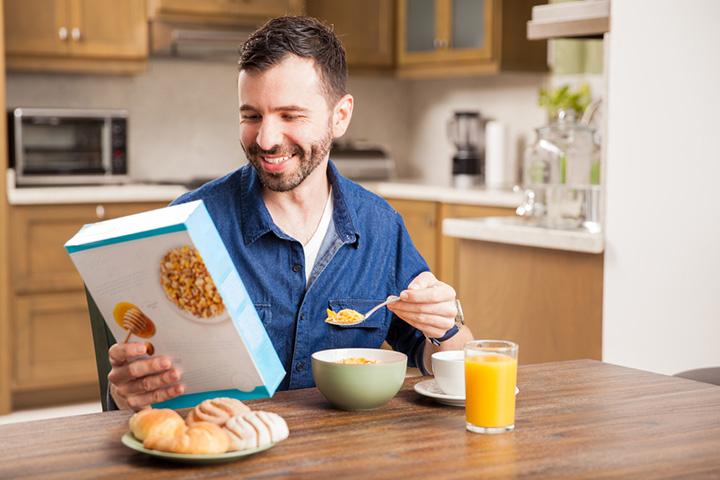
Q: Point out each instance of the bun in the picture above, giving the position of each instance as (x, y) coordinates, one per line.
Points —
(201, 438)
(255, 429)
(161, 421)
(216, 410)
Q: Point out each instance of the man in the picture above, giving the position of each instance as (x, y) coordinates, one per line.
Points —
(302, 237)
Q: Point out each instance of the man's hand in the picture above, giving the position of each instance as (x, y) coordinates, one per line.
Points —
(428, 305)
(136, 382)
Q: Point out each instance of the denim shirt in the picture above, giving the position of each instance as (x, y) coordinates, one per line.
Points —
(366, 255)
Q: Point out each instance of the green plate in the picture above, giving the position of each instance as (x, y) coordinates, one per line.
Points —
(131, 442)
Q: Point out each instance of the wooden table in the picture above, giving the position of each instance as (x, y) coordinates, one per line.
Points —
(574, 419)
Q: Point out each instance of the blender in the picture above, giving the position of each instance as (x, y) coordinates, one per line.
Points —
(466, 130)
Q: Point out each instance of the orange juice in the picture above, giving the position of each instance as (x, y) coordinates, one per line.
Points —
(490, 390)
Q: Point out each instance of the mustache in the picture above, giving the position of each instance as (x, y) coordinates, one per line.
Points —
(287, 150)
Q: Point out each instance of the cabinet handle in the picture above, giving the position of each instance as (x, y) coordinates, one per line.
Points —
(100, 211)
(76, 34)
(63, 33)
(440, 43)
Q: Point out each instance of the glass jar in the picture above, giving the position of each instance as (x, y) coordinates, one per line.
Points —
(561, 174)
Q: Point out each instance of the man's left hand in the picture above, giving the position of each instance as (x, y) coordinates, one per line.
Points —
(428, 305)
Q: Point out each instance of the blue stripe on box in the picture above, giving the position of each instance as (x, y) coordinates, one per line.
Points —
(192, 399)
(126, 238)
(207, 240)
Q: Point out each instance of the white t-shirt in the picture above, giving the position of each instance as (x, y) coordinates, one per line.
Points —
(312, 247)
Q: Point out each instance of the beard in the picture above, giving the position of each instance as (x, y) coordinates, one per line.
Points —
(307, 162)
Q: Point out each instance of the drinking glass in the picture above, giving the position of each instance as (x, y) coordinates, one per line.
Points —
(490, 378)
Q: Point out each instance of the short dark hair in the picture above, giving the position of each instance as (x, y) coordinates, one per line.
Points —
(305, 37)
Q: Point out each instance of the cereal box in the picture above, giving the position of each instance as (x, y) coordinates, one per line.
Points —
(164, 277)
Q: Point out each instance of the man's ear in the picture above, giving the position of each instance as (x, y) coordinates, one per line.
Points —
(342, 113)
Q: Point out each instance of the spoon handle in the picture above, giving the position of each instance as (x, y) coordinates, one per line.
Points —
(390, 299)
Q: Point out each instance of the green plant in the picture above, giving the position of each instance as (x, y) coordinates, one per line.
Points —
(563, 98)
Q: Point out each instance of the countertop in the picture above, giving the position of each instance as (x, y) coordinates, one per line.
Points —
(517, 231)
(574, 419)
(142, 192)
(423, 190)
(91, 193)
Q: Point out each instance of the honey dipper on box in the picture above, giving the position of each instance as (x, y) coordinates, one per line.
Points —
(132, 319)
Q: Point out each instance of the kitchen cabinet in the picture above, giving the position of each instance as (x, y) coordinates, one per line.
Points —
(365, 27)
(101, 36)
(423, 220)
(228, 12)
(547, 301)
(52, 356)
(466, 37)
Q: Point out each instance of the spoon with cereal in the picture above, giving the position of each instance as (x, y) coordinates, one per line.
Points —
(348, 317)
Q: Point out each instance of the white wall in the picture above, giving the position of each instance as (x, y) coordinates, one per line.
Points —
(662, 263)
(510, 98)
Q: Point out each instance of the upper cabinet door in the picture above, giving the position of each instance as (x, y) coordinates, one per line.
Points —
(365, 28)
(420, 22)
(36, 27)
(468, 27)
(109, 28)
(441, 31)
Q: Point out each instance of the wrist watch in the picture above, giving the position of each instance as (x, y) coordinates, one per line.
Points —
(459, 322)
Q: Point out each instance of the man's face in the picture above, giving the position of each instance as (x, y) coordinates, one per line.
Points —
(286, 125)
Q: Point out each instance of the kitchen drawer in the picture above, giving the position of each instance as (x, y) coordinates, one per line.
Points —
(52, 341)
(39, 262)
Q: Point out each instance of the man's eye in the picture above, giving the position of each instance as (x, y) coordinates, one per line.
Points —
(289, 117)
(251, 118)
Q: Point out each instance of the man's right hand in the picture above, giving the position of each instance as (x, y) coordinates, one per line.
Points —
(136, 382)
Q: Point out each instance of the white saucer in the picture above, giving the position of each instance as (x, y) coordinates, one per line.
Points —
(430, 388)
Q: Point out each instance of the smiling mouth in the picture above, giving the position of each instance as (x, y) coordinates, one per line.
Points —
(277, 160)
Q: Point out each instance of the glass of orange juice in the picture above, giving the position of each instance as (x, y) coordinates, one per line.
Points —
(490, 378)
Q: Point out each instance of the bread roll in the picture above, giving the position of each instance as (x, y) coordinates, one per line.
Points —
(162, 421)
(216, 410)
(255, 429)
(200, 438)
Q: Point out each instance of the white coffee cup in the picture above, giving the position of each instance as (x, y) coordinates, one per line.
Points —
(449, 370)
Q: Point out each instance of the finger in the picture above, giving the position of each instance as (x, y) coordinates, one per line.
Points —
(150, 383)
(444, 309)
(424, 280)
(139, 368)
(121, 353)
(441, 292)
(137, 402)
(430, 325)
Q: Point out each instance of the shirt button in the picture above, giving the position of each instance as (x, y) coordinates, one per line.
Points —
(299, 367)
(296, 268)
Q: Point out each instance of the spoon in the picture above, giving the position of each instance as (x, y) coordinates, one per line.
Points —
(388, 301)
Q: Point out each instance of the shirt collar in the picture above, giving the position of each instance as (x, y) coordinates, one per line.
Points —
(256, 220)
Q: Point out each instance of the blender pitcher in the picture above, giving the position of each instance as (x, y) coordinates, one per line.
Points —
(466, 130)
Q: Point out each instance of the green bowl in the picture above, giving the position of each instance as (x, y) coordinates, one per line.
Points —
(359, 387)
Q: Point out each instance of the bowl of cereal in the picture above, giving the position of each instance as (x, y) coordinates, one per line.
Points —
(358, 378)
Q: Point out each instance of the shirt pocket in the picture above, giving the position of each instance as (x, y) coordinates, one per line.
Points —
(264, 311)
(367, 334)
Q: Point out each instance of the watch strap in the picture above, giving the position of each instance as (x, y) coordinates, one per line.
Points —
(448, 335)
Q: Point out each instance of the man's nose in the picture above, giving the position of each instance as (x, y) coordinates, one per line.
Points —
(269, 135)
